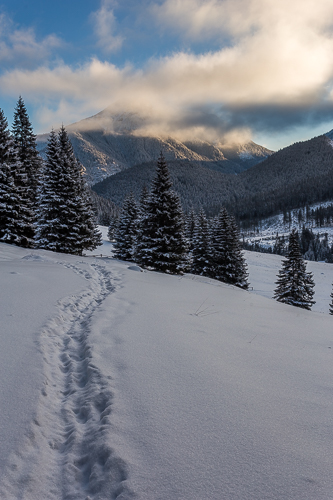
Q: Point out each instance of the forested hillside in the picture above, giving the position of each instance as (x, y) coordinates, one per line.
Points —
(298, 175)
(196, 185)
(294, 176)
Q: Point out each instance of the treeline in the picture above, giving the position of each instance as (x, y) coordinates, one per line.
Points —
(43, 204)
(312, 246)
(154, 234)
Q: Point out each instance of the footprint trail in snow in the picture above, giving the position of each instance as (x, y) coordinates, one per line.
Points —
(68, 453)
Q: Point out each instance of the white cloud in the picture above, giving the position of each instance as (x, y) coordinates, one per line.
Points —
(105, 26)
(280, 56)
(20, 47)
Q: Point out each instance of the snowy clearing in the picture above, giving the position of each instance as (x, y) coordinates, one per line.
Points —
(117, 383)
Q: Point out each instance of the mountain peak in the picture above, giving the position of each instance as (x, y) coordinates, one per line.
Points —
(110, 141)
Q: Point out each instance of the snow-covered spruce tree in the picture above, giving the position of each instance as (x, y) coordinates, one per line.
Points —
(190, 222)
(50, 224)
(239, 273)
(65, 221)
(201, 243)
(294, 284)
(162, 244)
(142, 215)
(126, 231)
(331, 304)
(9, 198)
(26, 174)
(112, 227)
(89, 235)
(228, 264)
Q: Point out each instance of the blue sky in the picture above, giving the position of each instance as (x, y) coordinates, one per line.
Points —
(213, 69)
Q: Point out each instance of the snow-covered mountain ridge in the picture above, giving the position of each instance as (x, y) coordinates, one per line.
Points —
(107, 143)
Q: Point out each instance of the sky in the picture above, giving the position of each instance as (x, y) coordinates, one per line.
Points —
(211, 69)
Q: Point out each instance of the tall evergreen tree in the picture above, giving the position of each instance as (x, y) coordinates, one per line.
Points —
(294, 284)
(163, 245)
(239, 274)
(201, 243)
(50, 221)
(65, 218)
(228, 261)
(190, 223)
(9, 198)
(26, 174)
(126, 231)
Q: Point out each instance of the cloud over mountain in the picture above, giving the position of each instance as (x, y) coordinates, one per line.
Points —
(272, 69)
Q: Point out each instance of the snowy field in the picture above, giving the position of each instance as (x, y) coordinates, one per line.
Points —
(116, 383)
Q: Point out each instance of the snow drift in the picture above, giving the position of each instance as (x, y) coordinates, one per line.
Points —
(124, 384)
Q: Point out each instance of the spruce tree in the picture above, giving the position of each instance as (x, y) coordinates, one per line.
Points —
(139, 251)
(9, 198)
(65, 218)
(201, 243)
(294, 284)
(89, 236)
(331, 304)
(239, 272)
(190, 222)
(112, 228)
(26, 175)
(126, 231)
(162, 245)
(221, 247)
(228, 261)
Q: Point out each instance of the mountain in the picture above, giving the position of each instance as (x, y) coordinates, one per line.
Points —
(108, 143)
(292, 177)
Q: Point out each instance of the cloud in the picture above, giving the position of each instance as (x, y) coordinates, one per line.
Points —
(20, 47)
(275, 73)
(105, 27)
(195, 19)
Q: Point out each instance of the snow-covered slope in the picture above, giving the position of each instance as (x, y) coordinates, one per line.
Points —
(117, 383)
(107, 143)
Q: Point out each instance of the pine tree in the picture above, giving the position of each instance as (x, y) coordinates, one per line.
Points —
(331, 304)
(26, 175)
(89, 236)
(201, 242)
(239, 272)
(190, 222)
(112, 228)
(294, 284)
(162, 244)
(228, 261)
(126, 231)
(65, 218)
(139, 251)
(9, 198)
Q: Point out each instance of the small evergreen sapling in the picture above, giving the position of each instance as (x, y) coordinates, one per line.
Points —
(331, 304)
(294, 284)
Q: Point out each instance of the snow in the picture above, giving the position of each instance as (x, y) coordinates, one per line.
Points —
(124, 384)
(271, 226)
